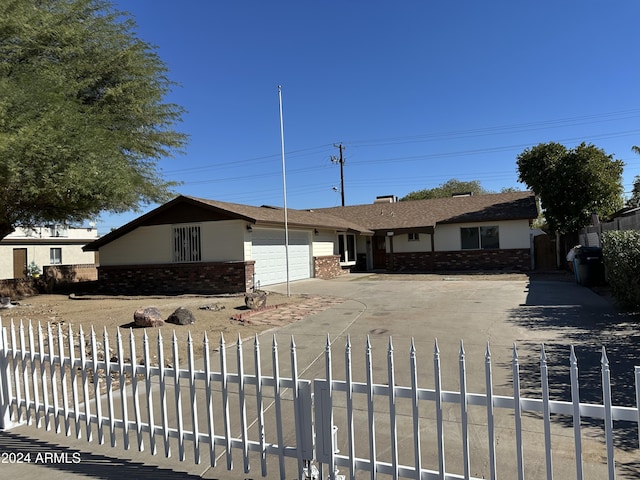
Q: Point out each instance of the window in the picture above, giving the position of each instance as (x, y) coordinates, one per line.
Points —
(55, 256)
(347, 248)
(475, 238)
(186, 244)
(414, 237)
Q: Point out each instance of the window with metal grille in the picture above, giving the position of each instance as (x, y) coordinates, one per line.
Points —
(186, 243)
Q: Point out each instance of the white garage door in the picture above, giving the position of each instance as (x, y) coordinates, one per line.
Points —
(269, 253)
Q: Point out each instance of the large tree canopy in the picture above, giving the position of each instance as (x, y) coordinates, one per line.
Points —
(447, 189)
(634, 200)
(572, 183)
(83, 121)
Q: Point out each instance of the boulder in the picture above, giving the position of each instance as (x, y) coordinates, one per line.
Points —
(148, 317)
(255, 300)
(182, 316)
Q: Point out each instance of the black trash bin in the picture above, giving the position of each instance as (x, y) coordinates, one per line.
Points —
(589, 267)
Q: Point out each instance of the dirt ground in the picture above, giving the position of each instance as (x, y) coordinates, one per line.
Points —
(212, 317)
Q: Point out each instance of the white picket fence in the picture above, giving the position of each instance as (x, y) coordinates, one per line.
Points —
(50, 380)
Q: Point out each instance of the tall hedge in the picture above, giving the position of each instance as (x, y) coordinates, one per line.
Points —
(621, 254)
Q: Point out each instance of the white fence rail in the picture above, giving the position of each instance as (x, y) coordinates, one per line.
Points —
(57, 380)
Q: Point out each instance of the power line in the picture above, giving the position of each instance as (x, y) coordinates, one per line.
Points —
(487, 131)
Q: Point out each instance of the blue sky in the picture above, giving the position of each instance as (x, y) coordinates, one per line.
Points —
(418, 92)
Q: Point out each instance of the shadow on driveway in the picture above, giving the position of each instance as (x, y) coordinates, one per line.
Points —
(65, 462)
(575, 315)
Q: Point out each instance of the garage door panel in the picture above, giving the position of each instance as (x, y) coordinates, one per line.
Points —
(270, 255)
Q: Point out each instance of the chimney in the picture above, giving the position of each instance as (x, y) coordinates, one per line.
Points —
(386, 199)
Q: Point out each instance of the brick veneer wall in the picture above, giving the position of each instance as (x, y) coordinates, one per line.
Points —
(515, 259)
(70, 273)
(177, 278)
(327, 267)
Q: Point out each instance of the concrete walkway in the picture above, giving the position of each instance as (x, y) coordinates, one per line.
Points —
(405, 308)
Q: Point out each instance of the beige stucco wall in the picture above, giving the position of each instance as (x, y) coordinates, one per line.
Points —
(144, 245)
(513, 234)
(223, 241)
(220, 241)
(401, 243)
(324, 243)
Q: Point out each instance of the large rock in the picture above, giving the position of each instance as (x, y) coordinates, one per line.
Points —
(182, 316)
(256, 300)
(148, 317)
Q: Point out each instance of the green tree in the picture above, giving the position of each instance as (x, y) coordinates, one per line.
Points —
(447, 189)
(83, 121)
(634, 201)
(572, 183)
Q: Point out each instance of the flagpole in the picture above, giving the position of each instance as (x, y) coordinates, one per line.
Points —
(284, 189)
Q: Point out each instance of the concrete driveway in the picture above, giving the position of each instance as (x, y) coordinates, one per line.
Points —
(495, 310)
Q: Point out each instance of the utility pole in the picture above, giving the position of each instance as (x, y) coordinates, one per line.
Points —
(340, 160)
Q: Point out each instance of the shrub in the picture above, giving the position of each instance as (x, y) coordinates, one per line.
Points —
(621, 256)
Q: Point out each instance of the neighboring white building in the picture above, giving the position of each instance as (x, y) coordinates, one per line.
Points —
(48, 245)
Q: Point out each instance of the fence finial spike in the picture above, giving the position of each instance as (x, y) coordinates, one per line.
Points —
(274, 341)
(221, 340)
(293, 343)
(573, 359)
(328, 343)
(436, 348)
(413, 345)
(348, 344)
(239, 343)
(461, 349)
(604, 360)
(487, 352)
(543, 354)
(255, 339)
(390, 346)
(514, 355)
(205, 339)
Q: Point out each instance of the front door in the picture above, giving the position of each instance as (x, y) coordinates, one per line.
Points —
(379, 252)
(19, 262)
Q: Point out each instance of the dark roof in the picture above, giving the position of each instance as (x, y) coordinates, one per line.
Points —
(185, 209)
(363, 219)
(428, 213)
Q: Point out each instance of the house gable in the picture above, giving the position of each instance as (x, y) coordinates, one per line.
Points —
(187, 213)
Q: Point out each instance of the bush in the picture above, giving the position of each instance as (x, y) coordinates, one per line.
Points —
(621, 256)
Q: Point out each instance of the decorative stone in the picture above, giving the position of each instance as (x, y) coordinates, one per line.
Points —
(216, 307)
(182, 316)
(148, 317)
(5, 302)
(255, 300)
